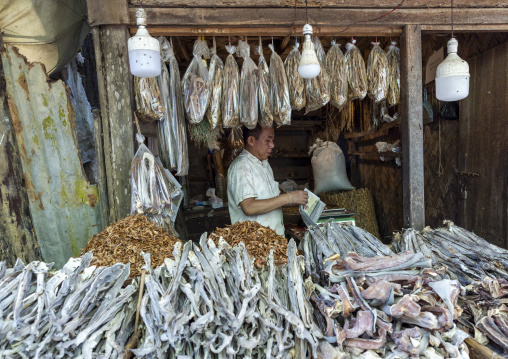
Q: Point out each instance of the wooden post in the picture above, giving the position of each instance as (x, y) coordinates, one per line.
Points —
(115, 90)
(101, 168)
(412, 127)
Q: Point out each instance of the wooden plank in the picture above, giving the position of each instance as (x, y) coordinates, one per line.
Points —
(386, 4)
(369, 134)
(266, 17)
(17, 239)
(111, 12)
(478, 351)
(101, 169)
(465, 28)
(115, 89)
(412, 127)
(374, 154)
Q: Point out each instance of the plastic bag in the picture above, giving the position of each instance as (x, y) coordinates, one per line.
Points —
(318, 89)
(214, 201)
(265, 90)
(149, 106)
(295, 81)
(196, 84)
(215, 73)
(336, 68)
(356, 74)
(329, 167)
(166, 134)
(234, 146)
(280, 91)
(377, 74)
(248, 87)
(393, 57)
(230, 91)
(178, 124)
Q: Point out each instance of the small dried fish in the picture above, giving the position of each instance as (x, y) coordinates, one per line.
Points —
(393, 75)
(318, 89)
(296, 83)
(356, 74)
(336, 68)
(281, 104)
(149, 106)
(377, 73)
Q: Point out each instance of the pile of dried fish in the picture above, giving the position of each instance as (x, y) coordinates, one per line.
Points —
(377, 68)
(265, 91)
(230, 90)
(393, 57)
(210, 302)
(259, 241)
(215, 72)
(248, 87)
(123, 242)
(486, 312)
(318, 89)
(356, 74)
(295, 81)
(281, 105)
(468, 257)
(336, 68)
(76, 312)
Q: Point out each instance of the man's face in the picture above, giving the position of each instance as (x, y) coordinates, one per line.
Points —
(262, 147)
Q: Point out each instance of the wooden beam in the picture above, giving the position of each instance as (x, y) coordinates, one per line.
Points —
(465, 28)
(111, 12)
(102, 182)
(412, 127)
(278, 17)
(115, 89)
(381, 4)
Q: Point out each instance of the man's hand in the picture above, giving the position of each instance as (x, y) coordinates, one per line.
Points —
(299, 197)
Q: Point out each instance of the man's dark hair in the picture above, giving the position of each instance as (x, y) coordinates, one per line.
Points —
(256, 132)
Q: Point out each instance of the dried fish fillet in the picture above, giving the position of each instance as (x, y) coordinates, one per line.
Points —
(377, 73)
(336, 68)
(393, 75)
(296, 83)
(356, 74)
(318, 89)
(248, 87)
(281, 104)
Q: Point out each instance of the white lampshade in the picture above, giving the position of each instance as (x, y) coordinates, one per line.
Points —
(144, 50)
(452, 76)
(309, 64)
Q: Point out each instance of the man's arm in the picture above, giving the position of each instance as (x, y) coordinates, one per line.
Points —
(254, 207)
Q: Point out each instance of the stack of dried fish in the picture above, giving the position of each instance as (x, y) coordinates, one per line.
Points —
(248, 87)
(336, 68)
(210, 302)
(468, 257)
(76, 312)
(377, 68)
(393, 56)
(318, 89)
(265, 91)
(281, 105)
(486, 311)
(259, 241)
(356, 74)
(295, 81)
(123, 242)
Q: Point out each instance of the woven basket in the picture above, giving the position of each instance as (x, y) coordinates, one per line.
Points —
(359, 201)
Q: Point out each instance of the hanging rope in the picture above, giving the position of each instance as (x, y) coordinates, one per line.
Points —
(440, 165)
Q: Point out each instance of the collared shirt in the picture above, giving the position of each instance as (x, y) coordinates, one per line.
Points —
(248, 177)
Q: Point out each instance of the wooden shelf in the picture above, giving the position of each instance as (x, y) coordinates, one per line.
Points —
(370, 134)
(375, 154)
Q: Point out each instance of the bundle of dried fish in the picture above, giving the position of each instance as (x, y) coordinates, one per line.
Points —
(123, 242)
(393, 75)
(166, 133)
(230, 90)
(356, 74)
(259, 241)
(76, 312)
(296, 83)
(248, 87)
(468, 257)
(149, 106)
(336, 68)
(216, 72)
(265, 90)
(196, 84)
(281, 105)
(318, 89)
(377, 74)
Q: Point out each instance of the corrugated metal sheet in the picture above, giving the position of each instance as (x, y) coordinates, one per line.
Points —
(64, 206)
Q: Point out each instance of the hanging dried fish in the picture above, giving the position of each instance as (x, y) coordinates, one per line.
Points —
(280, 91)
(149, 106)
(377, 74)
(393, 56)
(234, 147)
(216, 72)
(318, 89)
(196, 84)
(248, 87)
(295, 81)
(336, 68)
(356, 74)
(230, 90)
(178, 125)
(166, 133)
(265, 90)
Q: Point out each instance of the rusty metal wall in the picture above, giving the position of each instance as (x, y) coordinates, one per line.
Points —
(64, 206)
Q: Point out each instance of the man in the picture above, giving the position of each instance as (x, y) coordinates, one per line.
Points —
(253, 193)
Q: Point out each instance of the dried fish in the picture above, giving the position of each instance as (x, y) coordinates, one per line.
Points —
(377, 74)
(196, 84)
(393, 75)
(337, 70)
(149, 105)
(318, 89)
(296, 83)
(281, 105)
(356, 74)
(248, 87)
(216, 72)
(265, 90)
(230, 90)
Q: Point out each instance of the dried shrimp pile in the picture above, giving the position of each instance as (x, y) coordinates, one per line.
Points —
(123, 241)
(259, 241)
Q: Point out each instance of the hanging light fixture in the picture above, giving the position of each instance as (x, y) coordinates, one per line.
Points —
(144, 50)
(452, 75)
(309, 63)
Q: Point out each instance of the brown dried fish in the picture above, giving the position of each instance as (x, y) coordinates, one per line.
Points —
(393, 57)
(216, 71)
(336, 68)
(265, 91)
(281, 105)
(230, 91)
(377, 69)
(318, 89)
(149, 106)
(356, 74)
(295, 81)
